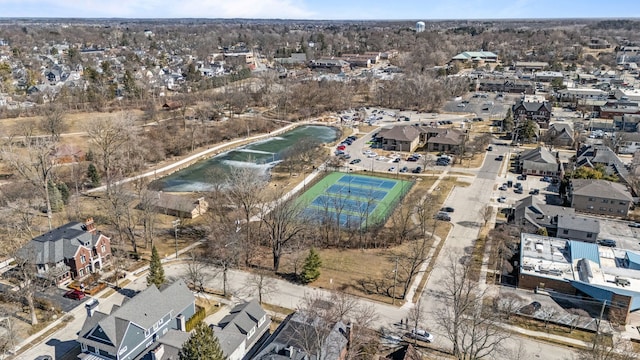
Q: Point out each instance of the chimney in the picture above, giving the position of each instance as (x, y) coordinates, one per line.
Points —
(180, 323)
(89, 226)
(91, 306)
(157, 353)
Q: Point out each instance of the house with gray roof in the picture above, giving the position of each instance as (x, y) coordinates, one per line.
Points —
(536, 109)
(601, 155)
(476, 56)
(303, 336)
(533, 214)
(182, 206)
(599, 197)
(71, 251)
(560, 134)
(136, 327)
(245, 326)
(400, 138)
(539, 161)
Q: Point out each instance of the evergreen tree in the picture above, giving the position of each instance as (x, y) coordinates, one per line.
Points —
(55, 197)
(156, 272)
(64, 192)
(92, 174)
(311, 267)
(202, 344)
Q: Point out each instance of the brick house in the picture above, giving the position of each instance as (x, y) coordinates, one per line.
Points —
(71, 251)
(533, 108)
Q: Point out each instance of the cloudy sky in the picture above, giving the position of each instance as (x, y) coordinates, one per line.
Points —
(322, 9)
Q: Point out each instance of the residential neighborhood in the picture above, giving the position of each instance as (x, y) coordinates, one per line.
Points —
(189, 188)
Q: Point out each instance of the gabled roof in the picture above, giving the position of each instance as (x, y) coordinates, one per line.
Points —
(538, 213)
(591, 155)
(448, 136)
(233, 329)
(144, 310)
(60, 243)
(400, 133)
(540, 155)
(533, 105)
(475, 55)
(601, 189)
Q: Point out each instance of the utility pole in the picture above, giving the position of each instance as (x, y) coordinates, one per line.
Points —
(596, 338)
(175, 224)
(395, 279)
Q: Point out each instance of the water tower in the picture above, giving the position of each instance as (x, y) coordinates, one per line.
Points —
(420, 26)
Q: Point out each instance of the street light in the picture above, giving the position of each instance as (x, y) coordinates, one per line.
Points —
(176, 224)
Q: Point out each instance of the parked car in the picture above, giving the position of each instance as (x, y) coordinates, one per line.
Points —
(502, 199)
(518, 186)
(518, 190)
(404, 169)
(448, 209)
(607, 242)
(393, 168)
(355, 161)
(531, 308)
(441, 215)
(534, 192)
(44, 357)
(397, 160)
(499, 157)
(421, 335)
(490, 148)
(546, 178)
(503, 187)
(635, 224)
(417, 170)
(75, 294)
(412, 159)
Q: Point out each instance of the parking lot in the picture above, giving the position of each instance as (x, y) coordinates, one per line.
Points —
(488, 105)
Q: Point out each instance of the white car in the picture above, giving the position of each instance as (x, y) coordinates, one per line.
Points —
(381, 158)
(372, 155)
(502, 199)
(421, 335)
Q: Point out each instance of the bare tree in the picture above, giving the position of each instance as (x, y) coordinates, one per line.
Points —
(263, 284)
(416, 316)
(605, 349)
(463, 318)
(507, 303)
(26, 275)
(197, 272)
(245, 191)
(283, 221)
(33, 165)
(109, 135)
(53, 121)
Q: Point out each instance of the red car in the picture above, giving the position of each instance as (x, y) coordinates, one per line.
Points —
(75, 294)
(341, 147)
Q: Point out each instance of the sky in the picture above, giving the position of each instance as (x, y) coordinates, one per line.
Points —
(322, 9)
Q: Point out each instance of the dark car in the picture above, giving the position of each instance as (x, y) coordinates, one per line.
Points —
(397, 160)
(448, 209)
(417, 170)
(404, 169)
(44, 357)
(499, 158)
(75, 294)
(635, 225)
(412, 159)
(355, 161)
(607, 242)
(518, 190)
(531, 308)
(534, 192)
(442, 216)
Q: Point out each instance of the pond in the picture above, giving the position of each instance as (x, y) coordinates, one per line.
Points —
(263, 155)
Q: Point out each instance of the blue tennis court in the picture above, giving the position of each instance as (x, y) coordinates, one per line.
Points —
(348, 190)
(351, 205)
(367, 181)
(353, 200)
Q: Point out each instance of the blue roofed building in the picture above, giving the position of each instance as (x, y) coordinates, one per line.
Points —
(606, 274)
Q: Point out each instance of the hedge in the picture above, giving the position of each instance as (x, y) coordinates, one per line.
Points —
(200, 314)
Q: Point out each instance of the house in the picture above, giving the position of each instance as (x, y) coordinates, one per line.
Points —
(533, 107)
(601, 155)
(576, 227)
(171, 105)
(576, 94)
(400, 138)
(71, 251)
(475, 56)
(245, 325)
(507, 86)
(136, 327)
(445, 139)
(292, 338)
(539, 161)
(601, 274)
(629, 143)
(599, 197)
(332, 65)
(530, 65)
(181, 206)
(627, 123)
(627, 94)
(548, 76)
(560, 134)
